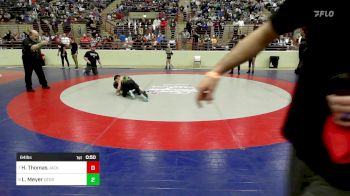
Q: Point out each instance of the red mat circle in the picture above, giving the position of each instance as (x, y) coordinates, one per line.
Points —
(43, 112)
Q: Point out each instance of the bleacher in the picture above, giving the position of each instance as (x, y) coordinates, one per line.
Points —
(140, 33)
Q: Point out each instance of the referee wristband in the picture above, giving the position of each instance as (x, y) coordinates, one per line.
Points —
(213, 74)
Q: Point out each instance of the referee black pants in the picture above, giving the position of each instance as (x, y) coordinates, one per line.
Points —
(28, 70)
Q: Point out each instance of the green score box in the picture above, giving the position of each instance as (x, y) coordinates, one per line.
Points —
(93, 180)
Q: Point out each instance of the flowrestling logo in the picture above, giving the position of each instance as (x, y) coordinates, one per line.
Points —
(324, 13)
(177, 89)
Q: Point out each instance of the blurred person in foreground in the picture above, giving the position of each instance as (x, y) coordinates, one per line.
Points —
(312, 171)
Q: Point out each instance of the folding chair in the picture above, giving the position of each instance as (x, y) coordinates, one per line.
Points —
(197, 59)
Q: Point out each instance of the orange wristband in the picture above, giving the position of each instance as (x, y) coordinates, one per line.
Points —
(213, 74)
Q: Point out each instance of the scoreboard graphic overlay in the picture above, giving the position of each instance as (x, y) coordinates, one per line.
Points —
(80, 169)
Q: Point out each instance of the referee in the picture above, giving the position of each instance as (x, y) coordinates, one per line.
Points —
(32, 60)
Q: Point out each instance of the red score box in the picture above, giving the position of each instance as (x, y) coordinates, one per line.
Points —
(93, 167)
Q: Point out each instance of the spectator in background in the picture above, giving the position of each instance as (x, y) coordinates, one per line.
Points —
(156, 24)
(189, 27)
(8, 36)
(195, 40)
(207, 41)
(159, 39)
(45, 37)
(65, 40)
(122, 37)
(184, 36)
(85, 41)
(163, 25)
(172, 27)
(214, 41)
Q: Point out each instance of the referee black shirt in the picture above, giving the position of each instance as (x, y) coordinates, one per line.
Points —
(27, 54)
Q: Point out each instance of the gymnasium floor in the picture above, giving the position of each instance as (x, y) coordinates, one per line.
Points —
(166, 146)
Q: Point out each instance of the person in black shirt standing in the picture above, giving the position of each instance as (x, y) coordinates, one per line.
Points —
(238, 66)
(62, 49)
(74, 51)
(31, 57)
(312, 169)
(302, 50)
(91, 57)
(251, 64)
